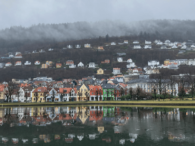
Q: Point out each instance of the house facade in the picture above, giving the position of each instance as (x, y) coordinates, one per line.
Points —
(27, 63)
(116, 71)
(119, 59)
(108, 91)
(39, 94)
(92, 65)
(100, 71)
(80, 64)
(96, 93)
(83, 93)
(37, 63)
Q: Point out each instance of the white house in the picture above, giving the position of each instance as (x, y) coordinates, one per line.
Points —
(8, 64)
(184, 47)
(181, 61)
(18, 56)
(34, 51)
(11, 56)
(17, 53)
(174, 47)
(191, 62)
(69, 46)
(147, 47)
(18, 63)
(37, 63)
(148, 42)
(27, 63)
(50, 49)
(153, 63)
(135, 42)
(53, 93)
(91, 65)
(116, 71)
(147, 85)
(137, 47)
(192, 47)
(78, 46)
(119, 59)
(126, 42)
(131, 64)
(72, 66)
(159, 43)
(163, 47)
(87, 45)
(80, 64)
(112, 43)
(129, 60)
(167, 42)
(42, 51)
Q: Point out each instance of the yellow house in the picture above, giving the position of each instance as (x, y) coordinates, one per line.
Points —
(100, 71)
(2, 93)
(166, 62)
(38, 94)
(83, 92)
(44, 66)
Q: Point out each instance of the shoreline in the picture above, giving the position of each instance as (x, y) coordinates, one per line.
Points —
(157, 103)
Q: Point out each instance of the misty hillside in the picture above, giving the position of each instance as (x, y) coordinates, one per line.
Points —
(162, 29)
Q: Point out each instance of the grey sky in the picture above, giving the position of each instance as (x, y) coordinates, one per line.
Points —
(29, 12)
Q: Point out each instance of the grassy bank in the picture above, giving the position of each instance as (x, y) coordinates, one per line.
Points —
(121, 103)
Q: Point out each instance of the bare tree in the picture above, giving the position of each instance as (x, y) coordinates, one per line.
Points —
(36, 94)
(172, 84)
(115, 94)
(80, 94)
(87, 96)
(10, 90)
(53, 95)
(191, 81)
(62, 94)
(26, 95)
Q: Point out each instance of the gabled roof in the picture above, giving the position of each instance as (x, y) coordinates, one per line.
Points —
(40, 89)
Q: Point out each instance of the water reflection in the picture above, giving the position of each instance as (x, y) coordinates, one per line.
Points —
(96, 125)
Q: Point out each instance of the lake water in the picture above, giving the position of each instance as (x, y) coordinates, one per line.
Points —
(97, 125)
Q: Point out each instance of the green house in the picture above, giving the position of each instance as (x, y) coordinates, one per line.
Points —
(108, 91)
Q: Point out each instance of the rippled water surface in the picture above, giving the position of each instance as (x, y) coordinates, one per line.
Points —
(97, 125)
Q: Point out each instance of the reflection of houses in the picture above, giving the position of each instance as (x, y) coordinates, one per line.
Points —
(83, 115)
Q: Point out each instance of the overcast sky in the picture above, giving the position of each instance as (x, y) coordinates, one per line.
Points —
(29, 12)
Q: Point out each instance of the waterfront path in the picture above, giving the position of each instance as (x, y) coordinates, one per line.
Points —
(141, 103)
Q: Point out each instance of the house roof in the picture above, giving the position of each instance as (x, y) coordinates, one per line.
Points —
(116, 68)
(40, 89)
(108, 86)
(68, 90)
(18, 62)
